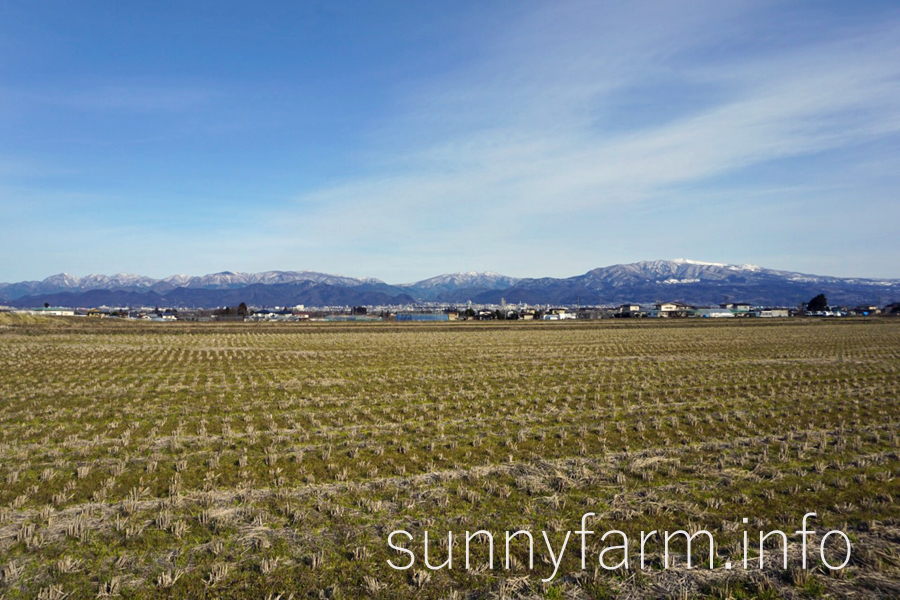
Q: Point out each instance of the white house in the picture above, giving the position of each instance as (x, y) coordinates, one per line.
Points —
(670, 309)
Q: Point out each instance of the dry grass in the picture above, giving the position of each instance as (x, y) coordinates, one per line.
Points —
(227, 460)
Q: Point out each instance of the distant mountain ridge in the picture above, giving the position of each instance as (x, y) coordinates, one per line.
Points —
(695, 282)
(684, 280)
(63, 282)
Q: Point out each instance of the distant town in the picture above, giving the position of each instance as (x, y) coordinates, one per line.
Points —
(435, 312)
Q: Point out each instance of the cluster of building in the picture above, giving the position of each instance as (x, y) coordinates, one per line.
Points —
(745, 309)
(435, 313)
(677, 309)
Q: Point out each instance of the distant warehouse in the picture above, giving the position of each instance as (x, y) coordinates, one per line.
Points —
(422, 317)
(712, 313)
(354, 318)
(771, 312)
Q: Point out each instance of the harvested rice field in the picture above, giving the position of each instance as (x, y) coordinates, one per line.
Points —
(275, 461)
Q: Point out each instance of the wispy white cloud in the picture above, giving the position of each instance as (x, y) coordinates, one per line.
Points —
(582, 134)
(521, 136)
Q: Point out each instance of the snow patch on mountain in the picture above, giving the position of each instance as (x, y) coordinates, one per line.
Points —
(687, 261)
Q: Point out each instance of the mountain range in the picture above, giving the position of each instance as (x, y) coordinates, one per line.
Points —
(689, 281)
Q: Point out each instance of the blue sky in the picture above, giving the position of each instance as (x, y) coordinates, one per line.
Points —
(400, 140)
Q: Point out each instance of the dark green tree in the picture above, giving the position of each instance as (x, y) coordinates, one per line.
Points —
(242, 310)
(817, 304)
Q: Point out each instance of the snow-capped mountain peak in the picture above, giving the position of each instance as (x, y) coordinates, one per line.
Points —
(484, 279)
(62, 280)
